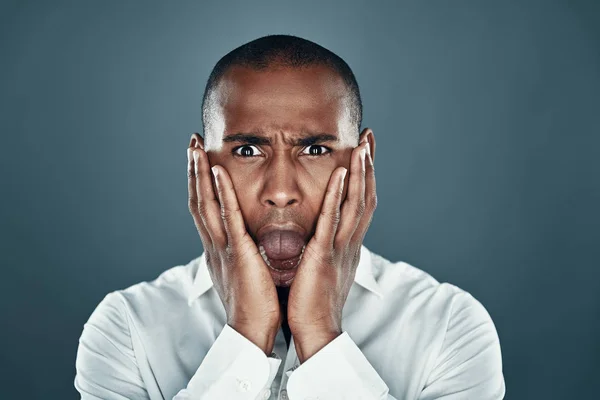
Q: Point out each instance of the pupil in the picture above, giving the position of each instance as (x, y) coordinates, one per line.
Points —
(246, 151)
(314, 152)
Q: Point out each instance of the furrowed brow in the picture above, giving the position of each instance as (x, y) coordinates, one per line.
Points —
(249, 138)
(314, 139)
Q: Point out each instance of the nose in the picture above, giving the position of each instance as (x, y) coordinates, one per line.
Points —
(280, 186)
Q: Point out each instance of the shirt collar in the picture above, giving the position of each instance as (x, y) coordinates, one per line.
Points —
(364, 276)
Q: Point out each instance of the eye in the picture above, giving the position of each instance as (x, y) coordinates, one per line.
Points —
(245, 152)
(317, 154)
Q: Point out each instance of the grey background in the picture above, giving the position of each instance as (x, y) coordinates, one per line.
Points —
(486, 116)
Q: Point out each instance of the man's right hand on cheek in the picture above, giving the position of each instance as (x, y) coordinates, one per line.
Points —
(237, 269)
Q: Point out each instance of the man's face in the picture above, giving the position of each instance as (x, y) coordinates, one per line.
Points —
(281, 182)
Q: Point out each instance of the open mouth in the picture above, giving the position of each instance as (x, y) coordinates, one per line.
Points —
(284, 264)
(282, 248)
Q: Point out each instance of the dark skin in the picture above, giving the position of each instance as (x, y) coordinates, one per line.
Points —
(282, 182)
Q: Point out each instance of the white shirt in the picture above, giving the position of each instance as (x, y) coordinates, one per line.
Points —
(405, 336)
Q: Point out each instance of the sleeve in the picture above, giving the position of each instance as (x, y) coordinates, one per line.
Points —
(234, 368)
(469, 365)
(338, 371)
(106, 367)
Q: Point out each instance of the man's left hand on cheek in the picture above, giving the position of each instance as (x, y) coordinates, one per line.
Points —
(328, 266)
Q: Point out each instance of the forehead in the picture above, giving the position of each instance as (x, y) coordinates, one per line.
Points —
(292, 100)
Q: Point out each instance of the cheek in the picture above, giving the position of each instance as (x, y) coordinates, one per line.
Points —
(246, 198)
(246, 189)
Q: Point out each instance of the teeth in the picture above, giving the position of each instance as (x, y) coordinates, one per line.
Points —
(301, 253)
(263, 253)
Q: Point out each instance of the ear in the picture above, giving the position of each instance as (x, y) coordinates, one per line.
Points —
(198, 140)
(368, 135)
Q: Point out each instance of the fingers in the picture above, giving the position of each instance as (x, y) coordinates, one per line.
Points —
(370, 201)
(193, 201)
(231, 214)
(203, 204)
(353, 208)
(330, 211)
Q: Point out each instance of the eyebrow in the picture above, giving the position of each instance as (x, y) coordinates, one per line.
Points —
(251, 138)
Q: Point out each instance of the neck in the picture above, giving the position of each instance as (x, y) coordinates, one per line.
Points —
(282, 293)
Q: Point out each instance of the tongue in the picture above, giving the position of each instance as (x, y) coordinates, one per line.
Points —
(282, 245)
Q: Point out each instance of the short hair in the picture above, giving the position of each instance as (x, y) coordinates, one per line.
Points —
(286, 51)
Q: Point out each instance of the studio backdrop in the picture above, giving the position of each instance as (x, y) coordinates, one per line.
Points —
(487, 122)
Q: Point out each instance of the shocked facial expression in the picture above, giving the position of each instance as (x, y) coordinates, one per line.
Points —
(280, 133)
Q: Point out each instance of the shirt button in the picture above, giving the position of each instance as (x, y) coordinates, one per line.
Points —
(266, 394)
(284, 395)
(244, 385)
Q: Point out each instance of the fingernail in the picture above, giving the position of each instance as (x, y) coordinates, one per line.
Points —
(215, 171)
(363, 153)
(366, 138)
(342, 179)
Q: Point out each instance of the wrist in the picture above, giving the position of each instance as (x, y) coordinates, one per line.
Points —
(261, 337)
(308, 345)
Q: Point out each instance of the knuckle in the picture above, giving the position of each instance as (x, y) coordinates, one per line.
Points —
(360, 208)
(373, 201)
(330, 215)
(191, 173)
(226, 214)
(335, 192)
(193, 205)
(202, 207)
(229, 254)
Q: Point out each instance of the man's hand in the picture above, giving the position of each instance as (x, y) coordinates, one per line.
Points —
(238, 271)
(328, 266)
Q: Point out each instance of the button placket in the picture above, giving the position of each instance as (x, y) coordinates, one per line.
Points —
(291, 359)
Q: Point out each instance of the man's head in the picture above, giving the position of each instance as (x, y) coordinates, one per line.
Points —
(280, 114)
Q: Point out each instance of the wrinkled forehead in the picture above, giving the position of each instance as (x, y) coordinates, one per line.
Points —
(274, 100)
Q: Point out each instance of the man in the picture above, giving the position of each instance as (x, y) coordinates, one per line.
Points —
(286, 302)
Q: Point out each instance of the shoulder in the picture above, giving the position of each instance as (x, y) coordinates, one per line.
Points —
(171, 286)
(146, 300)
(412, 289)
(449, 331)
(454, 327)
(400, 280)
(114, 336)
